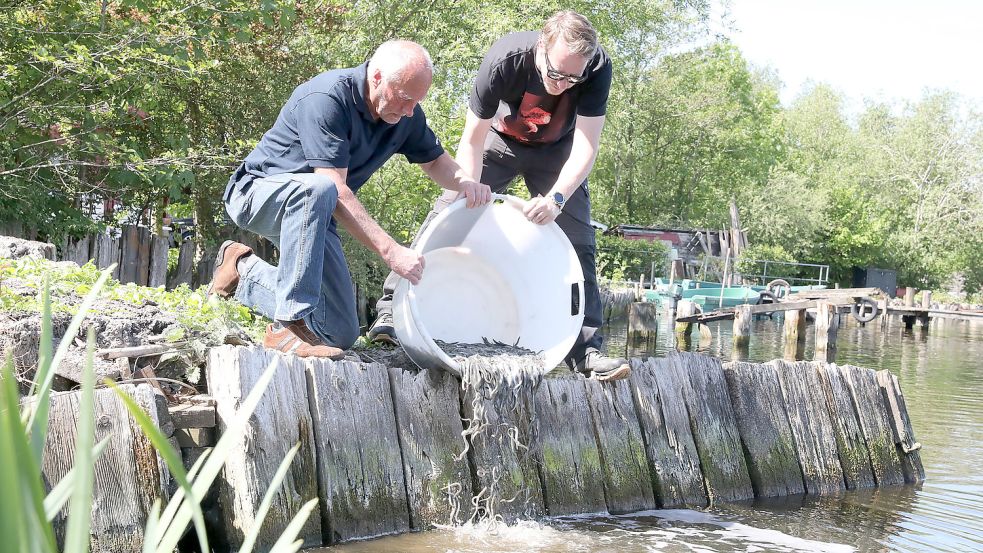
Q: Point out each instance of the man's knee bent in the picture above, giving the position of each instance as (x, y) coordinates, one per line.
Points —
(321, 189)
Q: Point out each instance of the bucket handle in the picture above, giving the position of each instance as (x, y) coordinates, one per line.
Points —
(580, 302)
(514, 201)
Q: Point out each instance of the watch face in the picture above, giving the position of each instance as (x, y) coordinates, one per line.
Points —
(557, 197)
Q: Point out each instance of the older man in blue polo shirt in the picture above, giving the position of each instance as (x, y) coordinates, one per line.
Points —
(300, 181)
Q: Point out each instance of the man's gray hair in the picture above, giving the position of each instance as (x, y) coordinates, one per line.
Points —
(393, 58)
(574, 30)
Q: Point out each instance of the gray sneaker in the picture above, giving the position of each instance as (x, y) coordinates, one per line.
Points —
(597, 365)
(382, 330)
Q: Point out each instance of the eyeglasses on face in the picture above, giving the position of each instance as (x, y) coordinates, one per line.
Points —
(558, 76)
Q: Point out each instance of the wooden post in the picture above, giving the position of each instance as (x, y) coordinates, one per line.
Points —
(882, 307)
(157, 275)
(624, 465)
(850, 441)
(129, 475)
(642, 318)
(428, 424)
(684, 308)
(759, 406)
(909, 297)
(185, 262)
(927, 299)
(570, 463)
(360, 467)
(659, 389)
(827, 323)
(795, 337)
(280, 421)
(742, 331)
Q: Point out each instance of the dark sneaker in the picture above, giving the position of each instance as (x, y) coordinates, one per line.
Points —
(294, 337)
(225, 279)
(382, 330)
(603, 368)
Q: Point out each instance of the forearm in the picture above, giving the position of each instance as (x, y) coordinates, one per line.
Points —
(351, 214)
(470, 150)
(577, 167)
(447, 173)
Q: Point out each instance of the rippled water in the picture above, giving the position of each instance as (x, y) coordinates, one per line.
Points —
(941, 374)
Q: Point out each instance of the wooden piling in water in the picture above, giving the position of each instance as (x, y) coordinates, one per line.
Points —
(643, 318)
(742, 331)
(428, 425)
(759, 409)
(567, 452)
(794, 336)
(674, 463)
(627, 483)
(827, 324)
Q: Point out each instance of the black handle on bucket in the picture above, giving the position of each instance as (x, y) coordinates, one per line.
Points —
(576, 299)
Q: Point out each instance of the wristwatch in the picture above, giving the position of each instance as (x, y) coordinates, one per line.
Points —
(559, 200)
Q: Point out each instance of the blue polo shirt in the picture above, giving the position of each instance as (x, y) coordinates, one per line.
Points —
(327, 123)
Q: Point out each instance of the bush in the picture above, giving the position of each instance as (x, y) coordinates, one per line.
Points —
(621, 259)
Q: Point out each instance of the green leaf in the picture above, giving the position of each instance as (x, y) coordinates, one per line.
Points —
(80, 516)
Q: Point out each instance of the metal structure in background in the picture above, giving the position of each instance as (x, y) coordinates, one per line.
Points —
(763, 271)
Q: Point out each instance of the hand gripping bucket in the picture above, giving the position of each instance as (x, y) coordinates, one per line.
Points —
(491, 274)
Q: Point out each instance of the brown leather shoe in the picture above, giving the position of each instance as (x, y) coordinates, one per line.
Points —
(297, 339)
(225, 279)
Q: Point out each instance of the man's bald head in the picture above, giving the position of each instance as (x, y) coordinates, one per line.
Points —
(399, 60)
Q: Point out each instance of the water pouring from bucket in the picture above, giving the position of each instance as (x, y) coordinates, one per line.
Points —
(492, 276)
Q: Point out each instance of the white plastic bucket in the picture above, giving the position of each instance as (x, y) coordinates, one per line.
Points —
(491, 274)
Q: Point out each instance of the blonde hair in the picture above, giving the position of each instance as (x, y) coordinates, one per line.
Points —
(573, 29)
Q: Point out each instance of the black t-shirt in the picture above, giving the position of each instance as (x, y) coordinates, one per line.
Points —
(510, 89)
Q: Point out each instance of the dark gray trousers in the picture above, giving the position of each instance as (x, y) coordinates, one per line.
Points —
(504, 160)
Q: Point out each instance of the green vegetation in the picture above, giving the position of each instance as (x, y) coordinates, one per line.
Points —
(27, 512)
(195, 313)
(154, 101)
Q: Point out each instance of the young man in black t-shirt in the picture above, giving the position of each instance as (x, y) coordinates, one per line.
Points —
(536, 110)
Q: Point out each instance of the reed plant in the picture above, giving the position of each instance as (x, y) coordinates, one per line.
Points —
(27, 510)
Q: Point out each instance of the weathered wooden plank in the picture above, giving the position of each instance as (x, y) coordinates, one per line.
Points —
(794, 334)
(157, 275)
(78, 250)
(107, 252)
(759, 408)
(143, 256)
(566, 449)
(508, 481)
(657, 388)
(850, 442)
(129, 254)
(193, 415)
(281, 420)
(627, 481)
(875, 424)
(714, 428)
(904, 434)
(185, 265)
(359, 467)
(812, 427)
(129, 475)
(428, 419)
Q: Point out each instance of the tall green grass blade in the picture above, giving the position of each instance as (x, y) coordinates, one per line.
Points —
(171, 457)
(229, 440)
(38, 424)
(39, 432)
(288, 542)
(176, 500)
(23, 497)
(153, 526)
(264, 506)
(59, 495)
(77, 536)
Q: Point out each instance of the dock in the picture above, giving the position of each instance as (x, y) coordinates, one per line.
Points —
(383, 449)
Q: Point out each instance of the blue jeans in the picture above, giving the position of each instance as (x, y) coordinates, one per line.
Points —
(312, 282)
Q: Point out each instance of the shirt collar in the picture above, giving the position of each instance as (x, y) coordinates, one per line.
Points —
(360, 91)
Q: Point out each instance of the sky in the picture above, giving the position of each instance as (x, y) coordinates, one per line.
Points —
(888, 50)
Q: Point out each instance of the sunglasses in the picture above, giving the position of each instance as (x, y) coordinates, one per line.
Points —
(557, 76)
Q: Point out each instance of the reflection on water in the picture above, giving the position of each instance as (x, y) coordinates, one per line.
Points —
(941, 373)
